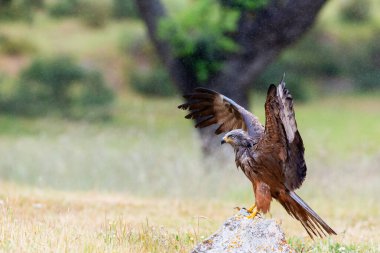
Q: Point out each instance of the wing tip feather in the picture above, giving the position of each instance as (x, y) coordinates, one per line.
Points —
(209, 107)
(271, 90)
(205, 90)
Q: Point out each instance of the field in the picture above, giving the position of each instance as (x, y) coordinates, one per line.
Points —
(138, 184)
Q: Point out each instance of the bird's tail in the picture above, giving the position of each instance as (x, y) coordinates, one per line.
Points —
(309, 219)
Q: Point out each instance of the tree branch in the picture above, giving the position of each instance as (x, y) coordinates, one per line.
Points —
(152, 11)
(263, 36)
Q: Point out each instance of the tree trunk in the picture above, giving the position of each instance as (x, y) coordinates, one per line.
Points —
(261, 37)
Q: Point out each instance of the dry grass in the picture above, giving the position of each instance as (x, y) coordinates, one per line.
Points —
(34, 220)
(146, 183)
(138, 184)
(44, 220)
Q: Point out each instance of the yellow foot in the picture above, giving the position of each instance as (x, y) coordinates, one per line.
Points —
(253, 214)
(250, 210)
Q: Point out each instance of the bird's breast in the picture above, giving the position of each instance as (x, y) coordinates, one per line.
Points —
(246, 163)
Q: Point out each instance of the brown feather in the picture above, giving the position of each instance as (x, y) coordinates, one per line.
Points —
(200, 113)
(310, 220)
(226, 113)
(272, 157)
(206, 122)
(281, 129)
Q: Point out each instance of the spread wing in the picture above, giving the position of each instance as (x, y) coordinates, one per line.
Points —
(281, 131)
(209, 107)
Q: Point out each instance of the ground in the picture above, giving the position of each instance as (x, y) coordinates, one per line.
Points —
(35, 220)
(137, 183)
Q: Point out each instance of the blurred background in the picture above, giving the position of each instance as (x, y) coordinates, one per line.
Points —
(87, 105)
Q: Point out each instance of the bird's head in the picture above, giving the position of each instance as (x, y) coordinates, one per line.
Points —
(238, 138)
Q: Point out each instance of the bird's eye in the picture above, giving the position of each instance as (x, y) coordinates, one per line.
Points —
(232, 136)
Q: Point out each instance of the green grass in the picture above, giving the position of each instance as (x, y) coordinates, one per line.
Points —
(137, 183)
(102, 48)
(149, 138)
(46, 34)
(329, 245)
(151, 152)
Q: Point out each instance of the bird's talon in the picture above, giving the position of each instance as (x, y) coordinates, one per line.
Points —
(250, 210)
(252, 215)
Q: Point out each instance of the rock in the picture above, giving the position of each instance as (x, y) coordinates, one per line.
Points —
(239, 234)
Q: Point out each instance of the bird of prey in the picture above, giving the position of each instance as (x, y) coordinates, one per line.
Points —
(272, 157)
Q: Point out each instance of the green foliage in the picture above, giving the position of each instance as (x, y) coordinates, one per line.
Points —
(94, 13)
(328, 245)
(18, 9)
(124, 9)
(152, 82)
(322, 56)
(64, 8)
(364, 67)
(244, 4)
(12, 46)
(60, 86)
(37, 3)
(201, 43)
(146, 75)
(93, 91)
(296, 83)
(306, 62)
(356, 11)
(314, 56)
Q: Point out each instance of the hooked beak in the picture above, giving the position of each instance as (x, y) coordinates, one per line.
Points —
(225, 140)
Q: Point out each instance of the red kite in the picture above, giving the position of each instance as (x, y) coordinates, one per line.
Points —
(272, 157)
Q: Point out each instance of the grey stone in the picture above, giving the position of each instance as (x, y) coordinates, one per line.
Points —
(240, 234)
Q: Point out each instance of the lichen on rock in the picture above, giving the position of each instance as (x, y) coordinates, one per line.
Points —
(240, 234)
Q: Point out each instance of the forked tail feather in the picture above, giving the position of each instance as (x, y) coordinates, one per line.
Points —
(310, 220)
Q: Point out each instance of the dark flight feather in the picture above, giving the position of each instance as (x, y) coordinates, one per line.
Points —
(227, 114)
(272, 156)
(281, 128)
